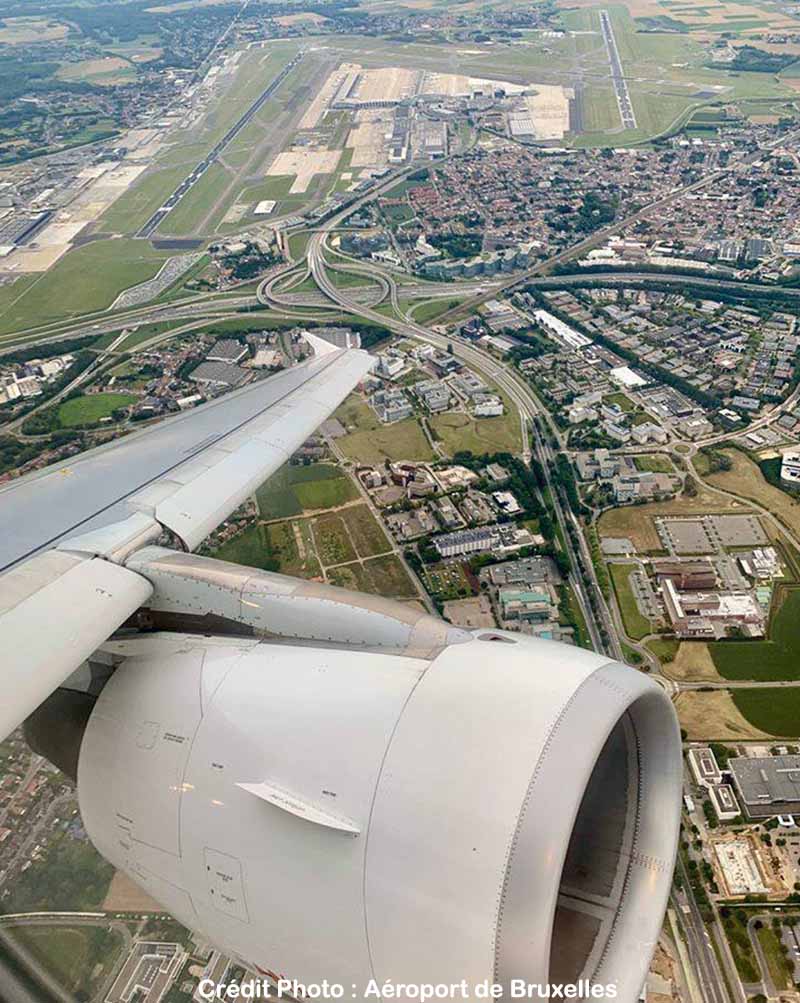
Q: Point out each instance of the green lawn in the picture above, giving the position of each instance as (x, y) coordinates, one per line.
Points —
(780, 967)
(90, 408)
(78, 958)
(86, 279)
(636, 625)
(137, 204)
(429, 310)
(664, 648)
(654, 462)
(458, 431)
(189, 215)
(369, 441)
(775, 710)
(774, 659)
(295, 489)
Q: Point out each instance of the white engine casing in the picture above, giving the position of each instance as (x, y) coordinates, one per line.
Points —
(467, 777)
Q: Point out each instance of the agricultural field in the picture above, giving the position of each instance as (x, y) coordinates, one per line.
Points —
(636, 625)
(88, 409)
(370, 441)
(774, 659)
(107, 71)
(384, 576)
(296, 489)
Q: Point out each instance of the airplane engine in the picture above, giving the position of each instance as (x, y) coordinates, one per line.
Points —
(503, 809)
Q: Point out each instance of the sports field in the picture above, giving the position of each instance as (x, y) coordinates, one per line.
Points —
(91, 408)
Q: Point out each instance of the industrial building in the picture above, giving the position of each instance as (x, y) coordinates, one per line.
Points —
(767, 785)
(227, 350)
(219, 374)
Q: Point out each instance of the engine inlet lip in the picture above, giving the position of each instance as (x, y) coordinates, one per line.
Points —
(537, 853)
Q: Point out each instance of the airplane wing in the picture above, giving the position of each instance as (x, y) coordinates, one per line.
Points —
(67, 528)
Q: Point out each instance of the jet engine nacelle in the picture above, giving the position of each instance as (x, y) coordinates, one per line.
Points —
(506, 808)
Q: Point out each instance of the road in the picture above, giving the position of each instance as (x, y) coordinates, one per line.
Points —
(515, 388)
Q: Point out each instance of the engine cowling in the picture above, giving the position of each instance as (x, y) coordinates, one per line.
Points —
(506, 809)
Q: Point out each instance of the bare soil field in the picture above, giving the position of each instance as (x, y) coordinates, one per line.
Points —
(713, 715)
(124, 895)
(745, 479)
(692, 662)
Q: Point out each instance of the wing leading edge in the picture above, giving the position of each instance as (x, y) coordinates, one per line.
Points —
(66, 529)
(187, 473)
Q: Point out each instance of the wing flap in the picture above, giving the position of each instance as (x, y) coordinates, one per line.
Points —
(55, 610)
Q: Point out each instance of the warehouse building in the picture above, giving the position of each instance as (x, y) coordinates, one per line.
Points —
(767, 785)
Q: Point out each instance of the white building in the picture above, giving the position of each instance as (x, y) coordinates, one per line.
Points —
(703, 764)
(790, 467)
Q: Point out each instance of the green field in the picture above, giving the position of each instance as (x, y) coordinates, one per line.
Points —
(86, 279)
(135, 206)
(189, 214)
(458, 431)
(369, 441)
(253, 548)
(296, 489)
(78, 958)
(775, 659)
(780, 968)
(428, 311)
(88, 409)
(654, 462)
(775, 710)
(636, 625)
(664, 648)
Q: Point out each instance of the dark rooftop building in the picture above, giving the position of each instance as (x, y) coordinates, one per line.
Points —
(227, 350)
(767, 785)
